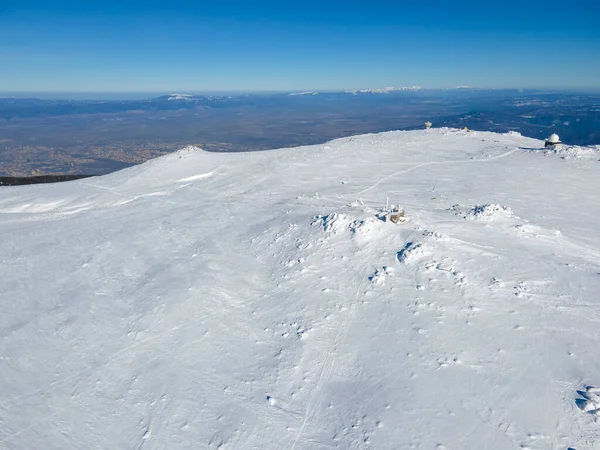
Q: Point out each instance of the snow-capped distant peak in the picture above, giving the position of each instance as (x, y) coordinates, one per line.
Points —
(180, 97)
(385, 90)
(304, 93)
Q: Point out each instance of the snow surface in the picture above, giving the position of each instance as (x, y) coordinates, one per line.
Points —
(260, 301)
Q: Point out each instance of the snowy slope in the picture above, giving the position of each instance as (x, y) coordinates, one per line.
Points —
(255, 300)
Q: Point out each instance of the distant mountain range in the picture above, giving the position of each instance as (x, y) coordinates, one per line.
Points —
(385, 90)
(32, 107)
(11, 108)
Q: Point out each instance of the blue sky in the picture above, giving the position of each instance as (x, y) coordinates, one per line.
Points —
(205, 45)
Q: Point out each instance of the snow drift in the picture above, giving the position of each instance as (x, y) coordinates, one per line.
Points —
(259, 301)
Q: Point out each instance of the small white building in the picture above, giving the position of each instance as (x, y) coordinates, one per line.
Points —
(553, 139)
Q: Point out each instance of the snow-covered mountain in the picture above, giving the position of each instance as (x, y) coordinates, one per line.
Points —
(266, 300)
(185, 97)
(303, 93)
(385, 90)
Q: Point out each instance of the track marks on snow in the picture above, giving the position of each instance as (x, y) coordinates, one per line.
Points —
(435, 163)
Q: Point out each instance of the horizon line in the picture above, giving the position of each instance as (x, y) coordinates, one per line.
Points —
(20, 93)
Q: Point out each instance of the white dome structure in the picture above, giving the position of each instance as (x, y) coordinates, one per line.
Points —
(552, 140)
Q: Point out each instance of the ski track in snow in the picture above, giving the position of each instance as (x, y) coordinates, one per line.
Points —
(432, 163)
(271, 307)
(325, 368)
